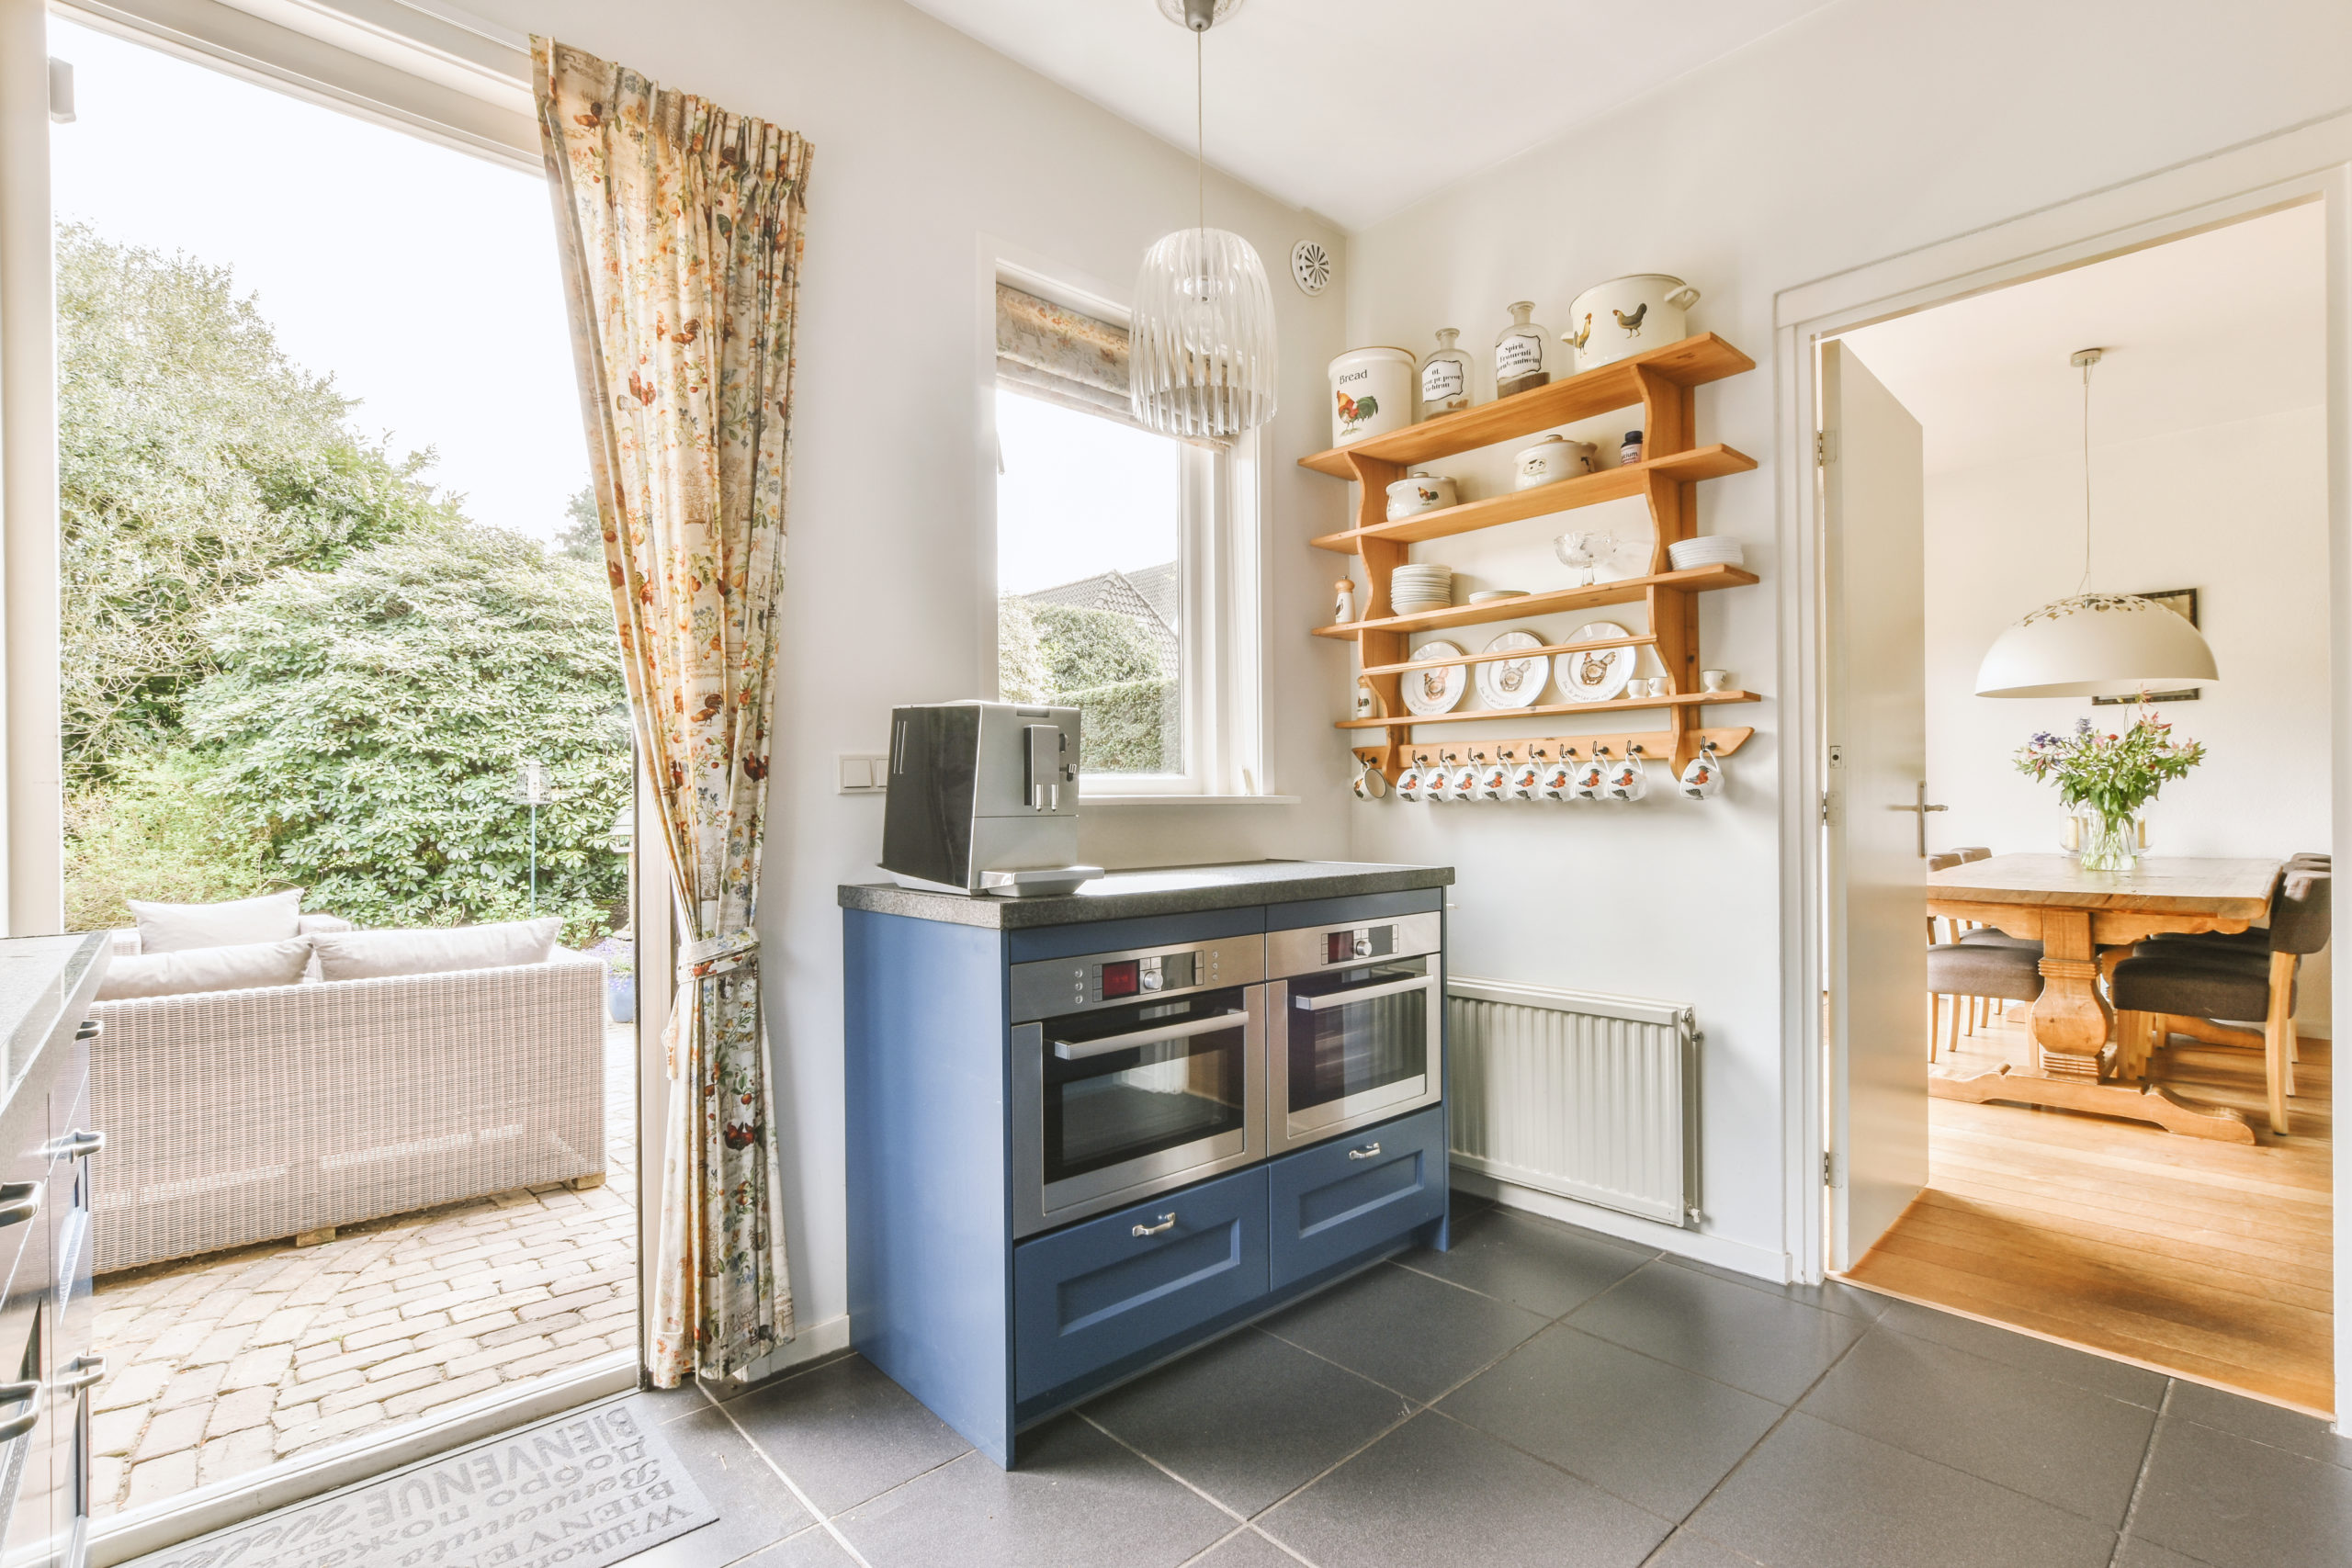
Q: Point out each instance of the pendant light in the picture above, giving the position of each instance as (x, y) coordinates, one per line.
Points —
(1201, 341)
(2094, 644)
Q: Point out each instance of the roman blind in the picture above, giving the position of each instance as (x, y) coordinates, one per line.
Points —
(1061, 355)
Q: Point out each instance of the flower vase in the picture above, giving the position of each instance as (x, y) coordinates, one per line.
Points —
(2110, 843)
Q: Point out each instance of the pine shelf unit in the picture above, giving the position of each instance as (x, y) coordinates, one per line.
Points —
(1660, 381)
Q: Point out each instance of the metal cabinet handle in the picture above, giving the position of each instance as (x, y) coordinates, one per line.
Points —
(77, 1145)
(1364, 993)
(90, 1029)
(87, 1371)
(1077, 1051)
(20, 1201)
(1367, 1152)
(20, 1393)
(1167, 1222)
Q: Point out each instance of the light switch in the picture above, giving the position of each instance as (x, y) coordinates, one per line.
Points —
(862, 775)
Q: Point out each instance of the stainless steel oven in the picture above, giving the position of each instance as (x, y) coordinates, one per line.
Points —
(1134, 1072)
(1354, 1019)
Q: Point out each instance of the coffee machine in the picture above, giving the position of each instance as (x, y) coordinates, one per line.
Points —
(983, 799)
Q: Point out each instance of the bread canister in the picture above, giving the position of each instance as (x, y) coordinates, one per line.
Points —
(1619, 318)
(1372, 394)
(1418, 492)
(1549, 460)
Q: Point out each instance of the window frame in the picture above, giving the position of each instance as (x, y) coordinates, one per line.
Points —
(1220, 573)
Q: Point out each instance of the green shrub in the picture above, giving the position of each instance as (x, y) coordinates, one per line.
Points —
(1132, 727)
(154, 831)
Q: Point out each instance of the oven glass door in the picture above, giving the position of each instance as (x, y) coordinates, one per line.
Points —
(1357, 1042)
(1122, 1085)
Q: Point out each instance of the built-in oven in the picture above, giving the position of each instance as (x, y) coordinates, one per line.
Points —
(1354, 1022)
(1134, 1072)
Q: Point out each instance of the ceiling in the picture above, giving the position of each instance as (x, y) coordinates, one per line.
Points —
(1360, 109)
(2224, 325)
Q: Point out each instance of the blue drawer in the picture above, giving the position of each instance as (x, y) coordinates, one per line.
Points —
(1336, 1201)
(1086, 1296)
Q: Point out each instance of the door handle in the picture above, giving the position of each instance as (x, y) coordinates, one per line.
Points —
(88, 1370)
(1077, 1051)
(20, 1201)
(1167, 1222)
(1922, 807)
(77, 1145)
(1364, 993)
(1367, 1152)
(20, 1393)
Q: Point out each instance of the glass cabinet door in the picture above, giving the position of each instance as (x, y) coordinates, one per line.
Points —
(1357, 1041)
(1125, 1083)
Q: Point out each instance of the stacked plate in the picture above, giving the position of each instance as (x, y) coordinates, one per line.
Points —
(1708, 549)
(1413, 589)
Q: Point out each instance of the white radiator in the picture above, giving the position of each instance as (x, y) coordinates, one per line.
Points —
(1578, 1093)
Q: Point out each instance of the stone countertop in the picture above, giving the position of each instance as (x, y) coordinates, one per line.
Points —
(41, 976)
(1163, 890)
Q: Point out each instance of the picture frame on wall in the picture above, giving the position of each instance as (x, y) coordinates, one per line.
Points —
(2181, 602)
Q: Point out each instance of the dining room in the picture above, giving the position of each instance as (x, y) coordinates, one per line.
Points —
(2126, 1020)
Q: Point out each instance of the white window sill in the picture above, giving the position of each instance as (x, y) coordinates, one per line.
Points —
(1086, 800)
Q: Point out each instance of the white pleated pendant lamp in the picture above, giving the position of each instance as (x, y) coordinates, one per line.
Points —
(2095, 643)
(1201, 338)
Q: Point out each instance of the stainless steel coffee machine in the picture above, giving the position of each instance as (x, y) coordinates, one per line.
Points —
(983, 799)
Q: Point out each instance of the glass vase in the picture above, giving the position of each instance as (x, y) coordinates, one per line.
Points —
(2110, 843)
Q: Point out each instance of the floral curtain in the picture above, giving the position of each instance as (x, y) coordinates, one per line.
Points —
(680, 231)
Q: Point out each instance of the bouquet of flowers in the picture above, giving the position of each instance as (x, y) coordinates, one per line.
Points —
(2113, 775)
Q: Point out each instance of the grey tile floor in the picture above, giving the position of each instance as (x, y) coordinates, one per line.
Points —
(1543, 1395)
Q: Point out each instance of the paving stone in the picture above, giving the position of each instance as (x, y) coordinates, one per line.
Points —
(447, 1392)
(282, 1327)
(157, 1479)
(107, 1474)
(286, 1416)
(233, 1455)
(492, 1356)
(220, 1345)
(171, 1430)
(116, 1431)
(259, 1368)
(319, 1388)
(328, 1427)
(236, 1412)
(141, 1382)
(393, 1333)
(192, 1384)
(384, 1388)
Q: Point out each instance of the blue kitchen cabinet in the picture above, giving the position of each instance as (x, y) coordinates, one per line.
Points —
(997, 1324)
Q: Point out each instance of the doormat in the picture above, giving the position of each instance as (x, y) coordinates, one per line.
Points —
(580, 1490)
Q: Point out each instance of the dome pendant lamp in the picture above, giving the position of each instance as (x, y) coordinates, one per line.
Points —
(1201, 339)
(2094, 644)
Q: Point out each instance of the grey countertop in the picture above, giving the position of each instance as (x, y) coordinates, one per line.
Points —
(1164, 890)
(41, 976)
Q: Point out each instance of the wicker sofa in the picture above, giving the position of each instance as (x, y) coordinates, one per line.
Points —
(236, 1117)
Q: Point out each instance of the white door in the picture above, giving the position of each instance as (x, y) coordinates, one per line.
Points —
(1873, 507)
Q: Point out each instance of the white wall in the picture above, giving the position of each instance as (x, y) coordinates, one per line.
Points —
(2238, 512)
(928, 147)
(1866, 130)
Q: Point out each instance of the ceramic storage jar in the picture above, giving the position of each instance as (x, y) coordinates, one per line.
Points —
(1619, 318)
(1372, 394)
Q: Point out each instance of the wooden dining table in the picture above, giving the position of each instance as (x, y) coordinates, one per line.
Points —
(2073, 914)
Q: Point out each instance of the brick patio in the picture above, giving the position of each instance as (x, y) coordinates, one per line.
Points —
(230, 1362)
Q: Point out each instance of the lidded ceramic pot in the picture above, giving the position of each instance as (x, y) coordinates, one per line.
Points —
(1372, 394)
(1445, 377)
(1521, 357)
(1619, 318)
(1418, 492)
(1549, 460)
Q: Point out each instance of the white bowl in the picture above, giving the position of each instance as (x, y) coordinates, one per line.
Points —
(1687, 553)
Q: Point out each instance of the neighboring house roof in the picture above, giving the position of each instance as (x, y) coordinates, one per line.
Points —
(1147, 594)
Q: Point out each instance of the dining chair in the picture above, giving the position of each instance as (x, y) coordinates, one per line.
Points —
(2177, 987)
(1961, 969)
(1943, 862)
(1991, 936)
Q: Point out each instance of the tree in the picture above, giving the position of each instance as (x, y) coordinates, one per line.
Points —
(154, 831)
(193, 460)
(368, 725)
(1104, 664)
(581, 538)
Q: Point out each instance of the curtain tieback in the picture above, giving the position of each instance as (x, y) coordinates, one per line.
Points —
(718, 956)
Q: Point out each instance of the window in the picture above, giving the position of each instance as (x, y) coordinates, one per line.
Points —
(1120, 587)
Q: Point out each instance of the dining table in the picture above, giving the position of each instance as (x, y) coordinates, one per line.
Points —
(2076, 914)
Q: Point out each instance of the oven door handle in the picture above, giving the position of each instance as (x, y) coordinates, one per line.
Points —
(1079, 1051)
(1364, 993)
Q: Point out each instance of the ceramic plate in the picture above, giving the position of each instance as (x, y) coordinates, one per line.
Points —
(1511, 683)
(1594, 675)
(1434, 691)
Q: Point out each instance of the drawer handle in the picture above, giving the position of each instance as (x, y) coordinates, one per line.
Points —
(20, 1201)
(1364, 993)
(16, 1427)
(90, 1029)
(1167, 1222)
(1367, 1152)
(87, 1371)
(1079, 1051)
(77, 1145)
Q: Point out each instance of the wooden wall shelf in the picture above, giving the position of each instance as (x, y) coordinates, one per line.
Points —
(1693, 362)
(1564, 495)
(1660, 381)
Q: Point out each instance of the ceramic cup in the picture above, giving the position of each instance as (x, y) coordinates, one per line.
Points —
(1590, 781)
(1715, 679)
(1409, 782)
(1370, 783)
(1462, 784)
(1702, 777)
(1558, 780)
(1526, 781)
(1495, 781)
(1628, 780)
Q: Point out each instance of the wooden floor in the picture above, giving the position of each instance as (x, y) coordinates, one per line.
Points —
(2209, 1261)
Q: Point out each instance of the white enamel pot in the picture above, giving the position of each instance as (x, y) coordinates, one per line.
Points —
(1620, 318)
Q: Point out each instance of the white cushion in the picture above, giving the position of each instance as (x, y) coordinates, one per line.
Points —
(245, 966)
(369, 955)
(176, 928)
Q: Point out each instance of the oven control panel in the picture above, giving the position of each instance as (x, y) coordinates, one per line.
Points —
(1310, 949)
(1055, 986)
